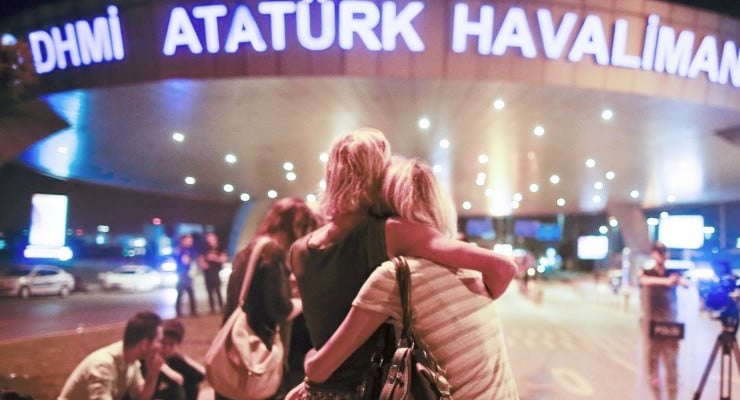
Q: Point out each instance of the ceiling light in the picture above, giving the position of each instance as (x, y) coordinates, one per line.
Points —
(634, 194)
(288, 166)
(480, 179)
(444, 143)
(245, 197)
(603, 229)
(489, 192)
(554, 179)
(664, 215)
(560, 202)
(514, 204)
(290, 176)
(652, 221)
(517, 197)
(436, 168)
(311, 198)
(230, 158)
(607, 114)
(424, 123)
(598, 185)
(322, 184)
(499, 104)
(534, 187)
(272, 193)
(671, 198)
(538, 130)
(178, 137)
(190, 180)
(483, 159)
(228, 188)
(613, 222)
(590, 163)
(62, 150)
(466, 205)
(610, 175)
(596, 198)
(324, 157)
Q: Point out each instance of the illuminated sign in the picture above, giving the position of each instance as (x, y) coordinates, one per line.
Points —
(385, 26)
(81, 43)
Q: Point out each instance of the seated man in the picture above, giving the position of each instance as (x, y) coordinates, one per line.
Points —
(180, 375)
(113, 372)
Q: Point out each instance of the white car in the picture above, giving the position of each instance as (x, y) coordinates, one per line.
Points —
(38, 280)
(131, 277)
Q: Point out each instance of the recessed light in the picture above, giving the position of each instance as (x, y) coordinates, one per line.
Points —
(322, 184)
(190, 180)
(517, 197)
(272, 193)
(245, 197)
(598, 185)
(610, 175)
(664, 215)
(228, 188)
(671, 198)
(607, 115)
(499, 104)
(489, 192)
(480, 179)
(466, 205)
(483, 159)
(178, 137)
(324, 157)
(590, 163)
(560, 202)
(514, 204)
(538, 130)
(311, 198)
(596, 198)
(554, 179)
(230, 158)
(534, 188)
(444, 143)
(424, 123)
(603, 229)
(652, 221)
(290, 176)
(613, 222)
(288, 166)
(634, 194)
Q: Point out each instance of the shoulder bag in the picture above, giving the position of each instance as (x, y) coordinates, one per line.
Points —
(413, 374)
(238, 364)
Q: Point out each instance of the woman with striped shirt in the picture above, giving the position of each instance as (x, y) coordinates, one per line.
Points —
(456, 320)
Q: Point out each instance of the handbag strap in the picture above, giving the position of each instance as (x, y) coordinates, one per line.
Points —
(403, 276)
(260, 242)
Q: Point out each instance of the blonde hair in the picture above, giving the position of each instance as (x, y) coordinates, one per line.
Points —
(354, 173)
(413, 193)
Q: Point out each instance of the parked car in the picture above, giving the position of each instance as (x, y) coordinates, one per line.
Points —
(25, 282)
(131, 277)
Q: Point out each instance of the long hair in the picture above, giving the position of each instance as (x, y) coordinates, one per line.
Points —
(289, 215)
(354, 173)
(412, 192)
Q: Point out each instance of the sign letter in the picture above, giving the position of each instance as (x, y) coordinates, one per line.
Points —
(348, 25)
(590, 40)
(244, 30)
(462, 27)
(180, 32)
(395, 24)
(515, 32)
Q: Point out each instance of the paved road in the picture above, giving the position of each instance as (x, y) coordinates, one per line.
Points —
(565, 341)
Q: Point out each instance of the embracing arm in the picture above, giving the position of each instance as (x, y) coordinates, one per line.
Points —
(356, 328)
(423, 241)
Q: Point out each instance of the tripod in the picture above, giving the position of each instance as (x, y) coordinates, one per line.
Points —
(726, 341)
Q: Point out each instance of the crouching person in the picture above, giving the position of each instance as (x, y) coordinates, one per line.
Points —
(180, 376)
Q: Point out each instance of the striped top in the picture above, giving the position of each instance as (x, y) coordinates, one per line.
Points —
(461, 329)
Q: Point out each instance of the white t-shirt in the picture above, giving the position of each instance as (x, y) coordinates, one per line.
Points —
(460, 328)
(104, 375)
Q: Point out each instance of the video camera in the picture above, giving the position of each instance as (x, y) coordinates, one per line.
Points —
(722, 295)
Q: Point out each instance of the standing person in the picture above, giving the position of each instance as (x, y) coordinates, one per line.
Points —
(211, 262)
(445, 309)
(184, 255)
(332, 263)
(269, 304)
(659, 304)
(113, 372)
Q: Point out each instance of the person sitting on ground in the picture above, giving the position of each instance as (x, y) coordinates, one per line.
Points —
(113, 372)
(180, 376)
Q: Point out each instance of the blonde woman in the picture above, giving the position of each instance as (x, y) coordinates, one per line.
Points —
(459, 327)
(332, 263)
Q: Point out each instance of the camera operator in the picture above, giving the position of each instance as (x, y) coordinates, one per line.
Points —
(659, 304)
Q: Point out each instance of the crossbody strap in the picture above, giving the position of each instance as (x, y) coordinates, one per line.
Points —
(403, 276)
(251, 267)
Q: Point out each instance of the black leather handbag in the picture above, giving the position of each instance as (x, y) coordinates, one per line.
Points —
(413, 373)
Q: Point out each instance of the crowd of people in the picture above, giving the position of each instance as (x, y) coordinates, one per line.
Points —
(331, 270)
